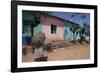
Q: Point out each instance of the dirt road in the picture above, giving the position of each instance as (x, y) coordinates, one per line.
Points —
(74, 52)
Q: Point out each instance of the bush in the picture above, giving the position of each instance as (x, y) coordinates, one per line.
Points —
(38, 39)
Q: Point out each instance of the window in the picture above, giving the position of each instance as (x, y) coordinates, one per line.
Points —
(53, 28)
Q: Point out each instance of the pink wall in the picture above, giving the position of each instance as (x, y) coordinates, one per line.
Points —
(46, 28)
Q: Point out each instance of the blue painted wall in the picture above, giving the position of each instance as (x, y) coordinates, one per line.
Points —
(37, 29)
(68, 34)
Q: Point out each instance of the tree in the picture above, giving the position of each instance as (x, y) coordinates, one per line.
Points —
(83, 30)
(37, 20)
(74, 27)
(74, 30)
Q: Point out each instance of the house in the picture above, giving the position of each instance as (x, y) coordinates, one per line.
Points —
(55, 28)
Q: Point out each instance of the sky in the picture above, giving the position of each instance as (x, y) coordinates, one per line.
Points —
(76, 18)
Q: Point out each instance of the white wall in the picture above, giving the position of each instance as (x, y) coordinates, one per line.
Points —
(5, 36)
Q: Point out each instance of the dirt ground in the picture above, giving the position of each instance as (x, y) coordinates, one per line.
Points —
(72, 52)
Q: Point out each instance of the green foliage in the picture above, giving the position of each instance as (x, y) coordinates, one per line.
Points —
(38, 14)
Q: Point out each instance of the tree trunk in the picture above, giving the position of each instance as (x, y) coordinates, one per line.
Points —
(73, 36)
(32, 30)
